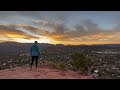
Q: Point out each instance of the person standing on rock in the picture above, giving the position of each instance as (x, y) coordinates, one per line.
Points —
(35, 54)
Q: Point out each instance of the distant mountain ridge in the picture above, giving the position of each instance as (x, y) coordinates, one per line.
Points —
(16, 48)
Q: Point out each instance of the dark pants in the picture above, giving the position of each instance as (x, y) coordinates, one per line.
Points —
(34, 58)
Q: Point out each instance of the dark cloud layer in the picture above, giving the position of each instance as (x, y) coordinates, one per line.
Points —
(61, 32)
(10, 31)
(87, 30)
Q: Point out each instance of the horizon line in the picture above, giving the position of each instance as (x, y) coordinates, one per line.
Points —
(58, 44)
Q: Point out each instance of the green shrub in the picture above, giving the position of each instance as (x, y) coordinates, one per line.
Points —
(61, 66)
(80, 61)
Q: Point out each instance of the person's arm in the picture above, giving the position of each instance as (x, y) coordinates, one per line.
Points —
(39, 52)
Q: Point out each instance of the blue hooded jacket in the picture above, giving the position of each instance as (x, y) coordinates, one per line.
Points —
(34, 51)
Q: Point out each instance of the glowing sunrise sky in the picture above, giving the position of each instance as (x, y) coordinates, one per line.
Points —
(60, 27)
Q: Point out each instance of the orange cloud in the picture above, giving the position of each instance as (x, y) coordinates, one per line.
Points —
(11, 33)
(61, 34)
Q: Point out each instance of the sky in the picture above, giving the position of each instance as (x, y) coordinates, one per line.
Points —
(60, 27)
